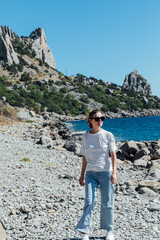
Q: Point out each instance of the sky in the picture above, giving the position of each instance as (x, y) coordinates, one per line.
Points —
(105, 39)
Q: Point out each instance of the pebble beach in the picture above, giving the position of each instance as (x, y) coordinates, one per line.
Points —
(40, 197)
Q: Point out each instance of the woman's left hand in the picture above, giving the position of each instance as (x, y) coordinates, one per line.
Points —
(113, 178)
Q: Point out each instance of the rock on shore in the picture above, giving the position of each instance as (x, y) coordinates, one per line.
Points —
(2, 232)
(40, 197)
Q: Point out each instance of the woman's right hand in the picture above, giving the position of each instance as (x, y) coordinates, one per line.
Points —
(81, 181)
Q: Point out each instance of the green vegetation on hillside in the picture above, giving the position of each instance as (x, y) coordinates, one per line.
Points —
(115, 101)
(22, 49)
(37, 97)
(55, 96)
(15, 68)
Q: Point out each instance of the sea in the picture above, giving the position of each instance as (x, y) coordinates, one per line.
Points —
(137, 129)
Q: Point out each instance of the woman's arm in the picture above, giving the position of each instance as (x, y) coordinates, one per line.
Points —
(114, 163)
(83, 169)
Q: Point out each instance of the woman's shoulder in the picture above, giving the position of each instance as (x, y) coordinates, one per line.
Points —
(86, 133)
(107, 133)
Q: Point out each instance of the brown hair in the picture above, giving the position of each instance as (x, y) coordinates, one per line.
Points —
(91, 115)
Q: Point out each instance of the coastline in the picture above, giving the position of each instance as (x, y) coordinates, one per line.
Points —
(111, 115)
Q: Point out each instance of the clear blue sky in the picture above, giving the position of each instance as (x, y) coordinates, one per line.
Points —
(105, 39)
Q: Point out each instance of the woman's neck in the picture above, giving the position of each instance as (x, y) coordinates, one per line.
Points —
(95, 130)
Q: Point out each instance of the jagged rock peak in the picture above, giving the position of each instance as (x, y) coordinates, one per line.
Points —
(38, 33)
(137, 83)
(40, 47)
(36, 40)
(7, 53)
(6, 30)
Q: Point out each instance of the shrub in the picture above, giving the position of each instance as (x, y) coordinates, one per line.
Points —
(35, 68)
(63, 90)
(8, 111)
(40, 62)
(13, 69)
(22, 48)
(25, 78)
(58, 83)
(25, 160)
(105, 108)
(46, 65)
(84, 99)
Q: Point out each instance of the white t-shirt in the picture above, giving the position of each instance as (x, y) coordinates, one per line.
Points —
(96, 147)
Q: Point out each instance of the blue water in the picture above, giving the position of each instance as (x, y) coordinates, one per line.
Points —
(137, 129)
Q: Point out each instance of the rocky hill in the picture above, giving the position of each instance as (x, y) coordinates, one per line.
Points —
(28, 78)
(12, 46)
(137, 83)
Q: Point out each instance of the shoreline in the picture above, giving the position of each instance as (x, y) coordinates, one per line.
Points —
(125, 129)
(112, 115)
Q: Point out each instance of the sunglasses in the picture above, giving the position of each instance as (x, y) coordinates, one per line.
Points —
(97, 119)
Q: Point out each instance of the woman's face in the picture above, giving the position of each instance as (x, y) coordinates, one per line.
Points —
(95, 123)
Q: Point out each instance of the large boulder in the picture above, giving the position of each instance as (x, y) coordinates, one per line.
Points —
(70, 145)
(152, 184)
(154, 170)
(147, 191)
(73, 142)
(156, 154)
(24, 114)
(46, 142)
(143, 152)
(2, 232)
(127, 150)
(142, 162)
(130, 147)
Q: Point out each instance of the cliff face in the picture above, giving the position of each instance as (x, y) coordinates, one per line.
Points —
(137, 83)
(7, 53)
(35, 42)
(40, 47)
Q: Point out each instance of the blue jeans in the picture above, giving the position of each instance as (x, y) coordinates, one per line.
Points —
(92, 180)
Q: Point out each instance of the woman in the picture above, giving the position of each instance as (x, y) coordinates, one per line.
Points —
(96, 146)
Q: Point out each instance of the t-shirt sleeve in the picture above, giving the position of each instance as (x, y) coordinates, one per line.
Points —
(112, 143)
(82, 149)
